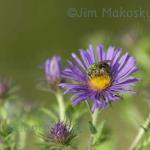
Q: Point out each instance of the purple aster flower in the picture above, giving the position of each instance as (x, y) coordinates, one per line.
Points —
(52, 68)
(61, 133)
(99, 76)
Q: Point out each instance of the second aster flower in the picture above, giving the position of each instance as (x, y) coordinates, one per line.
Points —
(53, 69)
(100, 76)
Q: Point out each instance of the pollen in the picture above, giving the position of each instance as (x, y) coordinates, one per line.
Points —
(100, 82)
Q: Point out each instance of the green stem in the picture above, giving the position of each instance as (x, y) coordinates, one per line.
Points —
(61, 105)
(94, 122)
(94, 117)
(140, 133)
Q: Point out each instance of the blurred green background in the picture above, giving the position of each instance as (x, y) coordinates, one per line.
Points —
(33, 30)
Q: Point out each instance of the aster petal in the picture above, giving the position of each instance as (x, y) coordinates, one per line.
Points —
(47, 66)
(128, 80)
(76, 58)
(90, 51)
(105, 96)
(96, 104)
(118, 66)
(86, 58)
(80, 97)
(128, 68)
(116, 56)
(69, 76)
(72, 76)
(123, 60)
(103, 105)
(73, 87)
(73, 71)
(100, 53)
(121, 88)
(112, 96)
(110, 53)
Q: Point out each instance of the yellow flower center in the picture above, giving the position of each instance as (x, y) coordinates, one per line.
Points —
(99, 82)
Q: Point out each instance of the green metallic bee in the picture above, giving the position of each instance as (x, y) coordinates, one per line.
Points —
(98, 69)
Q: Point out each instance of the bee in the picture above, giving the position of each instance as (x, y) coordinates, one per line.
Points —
(98, 69)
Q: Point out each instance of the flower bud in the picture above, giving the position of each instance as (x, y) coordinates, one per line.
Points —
(52, 68)
(61, 133)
